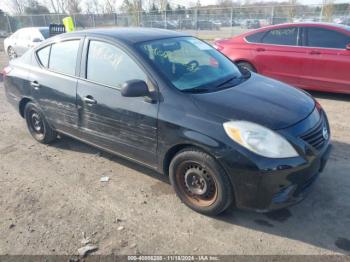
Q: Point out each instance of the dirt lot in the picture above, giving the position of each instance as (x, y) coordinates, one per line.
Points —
(51, 194)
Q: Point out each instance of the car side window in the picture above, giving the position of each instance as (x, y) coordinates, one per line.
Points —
(255, 38)
(109, 65)
(282, 36)
(325, 38)
(63, 57)
(43, 55)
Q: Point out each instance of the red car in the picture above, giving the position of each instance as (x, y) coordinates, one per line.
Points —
(314, 56)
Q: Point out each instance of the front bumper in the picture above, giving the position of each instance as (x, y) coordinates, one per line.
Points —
(297, 183)
(284, 184)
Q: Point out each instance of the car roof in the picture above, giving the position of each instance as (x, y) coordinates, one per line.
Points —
(310, 24)
(341, 27)
(317, 24)
(33, 27)
(131, 34)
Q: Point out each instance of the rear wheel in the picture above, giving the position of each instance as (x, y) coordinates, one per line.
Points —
(37, 124)
(247, 66)
(11, 53)
(200, 182)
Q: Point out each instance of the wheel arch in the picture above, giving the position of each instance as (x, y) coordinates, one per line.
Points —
(171, 153)
(189, 138)
(246, 61)
(22, 105)
(7, 49)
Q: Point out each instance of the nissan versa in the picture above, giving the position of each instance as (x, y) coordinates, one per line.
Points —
(175, 104)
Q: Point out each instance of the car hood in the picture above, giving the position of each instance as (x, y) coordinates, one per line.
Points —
(260, 100)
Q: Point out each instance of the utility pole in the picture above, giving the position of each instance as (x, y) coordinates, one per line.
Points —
(163, 6)
(139, 12)
(327, 10)
(9, 23)
(321, 13)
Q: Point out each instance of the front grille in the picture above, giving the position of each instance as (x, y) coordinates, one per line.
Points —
(315, 136)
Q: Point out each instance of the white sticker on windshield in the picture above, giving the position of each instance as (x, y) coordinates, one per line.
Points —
(200, 44)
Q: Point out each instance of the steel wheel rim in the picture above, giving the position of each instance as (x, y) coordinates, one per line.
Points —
(36, 123)
(12, 53)
(196, 184)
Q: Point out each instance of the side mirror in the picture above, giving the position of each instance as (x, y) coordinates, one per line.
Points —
(135, 88)
(347, 47)
(36, 40)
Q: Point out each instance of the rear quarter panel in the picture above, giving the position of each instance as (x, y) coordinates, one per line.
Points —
(16, 82)
(237, 49)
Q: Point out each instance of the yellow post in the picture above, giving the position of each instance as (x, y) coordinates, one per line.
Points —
(68, 23)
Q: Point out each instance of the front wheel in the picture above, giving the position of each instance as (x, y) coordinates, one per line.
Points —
(200, 182)
(37, 124)
(247, 66)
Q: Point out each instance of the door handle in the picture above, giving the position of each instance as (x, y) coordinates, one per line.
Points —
(89, 100)
(35, 85)
(314, 52)
(260, 49)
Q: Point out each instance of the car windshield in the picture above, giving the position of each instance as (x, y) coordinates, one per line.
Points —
(45, 32)
(192, 65)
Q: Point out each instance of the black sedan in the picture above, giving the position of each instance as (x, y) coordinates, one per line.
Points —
(175, 104)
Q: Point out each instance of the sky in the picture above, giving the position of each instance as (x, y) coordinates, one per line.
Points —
(4, 3)
(211, 2)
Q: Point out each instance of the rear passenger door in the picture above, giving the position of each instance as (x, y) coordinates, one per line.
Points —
(327, 63)
(54, 83)
(278, 55)
(125, 125)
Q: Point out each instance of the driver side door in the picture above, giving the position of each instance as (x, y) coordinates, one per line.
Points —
(124, 125)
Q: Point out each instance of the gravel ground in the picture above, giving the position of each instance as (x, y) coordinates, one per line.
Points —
(51, 194)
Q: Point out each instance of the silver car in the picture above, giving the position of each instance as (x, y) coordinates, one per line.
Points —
(23, 39)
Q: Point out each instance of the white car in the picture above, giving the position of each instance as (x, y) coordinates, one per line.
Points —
(23, 39)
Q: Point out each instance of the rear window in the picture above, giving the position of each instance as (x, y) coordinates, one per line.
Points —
(45, 32)
(255, 38)
(320, 37)
(63, 57)
(282, 36)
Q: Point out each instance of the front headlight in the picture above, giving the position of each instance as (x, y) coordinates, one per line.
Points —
(259, 139)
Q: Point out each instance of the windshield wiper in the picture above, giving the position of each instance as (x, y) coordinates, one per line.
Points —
(195, 90)
(226, 81)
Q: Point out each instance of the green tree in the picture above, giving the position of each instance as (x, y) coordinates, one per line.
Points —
(180, 10)
(134, 8)
(73, 7)
(154, 9)
(126, 6)
(34, 8)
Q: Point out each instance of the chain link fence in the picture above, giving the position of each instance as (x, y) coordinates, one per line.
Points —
(207, 23)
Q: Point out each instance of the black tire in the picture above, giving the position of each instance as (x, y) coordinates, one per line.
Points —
(37, 125)
(191, 171)
(11, 53)
(247, 66)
